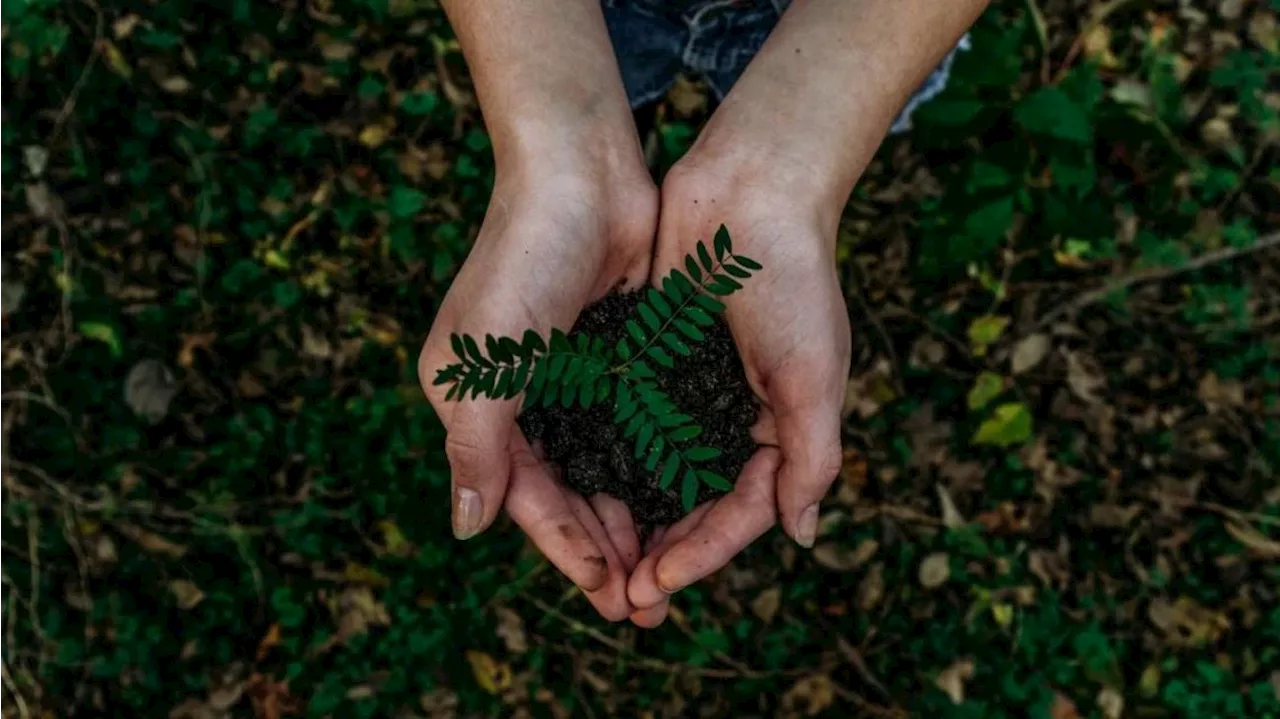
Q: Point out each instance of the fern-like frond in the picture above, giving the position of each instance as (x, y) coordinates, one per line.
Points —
(546, 372)
(670, 316)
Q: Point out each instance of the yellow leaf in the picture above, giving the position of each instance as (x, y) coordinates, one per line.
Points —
(491, 675)
(393, 540)
(1009, 424)
(373, 135)
(1003, 614)
(952, 679)
(984, 331)
(115, 59)
(360, 574)
(105, 334)
(273, 259)
(987, 387)
(1149, 683)
(186, 592)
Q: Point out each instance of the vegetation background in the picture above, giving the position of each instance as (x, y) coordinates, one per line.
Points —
(227, 226)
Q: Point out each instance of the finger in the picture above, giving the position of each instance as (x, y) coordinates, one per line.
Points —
(736, 520)
(620, 527)
(809, 435)
(642, 588)
(765, 430)
(609, 600)
(477, 446)
(540, 506)
(651, 617)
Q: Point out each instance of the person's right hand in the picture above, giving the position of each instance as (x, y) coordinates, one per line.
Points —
(559, 234)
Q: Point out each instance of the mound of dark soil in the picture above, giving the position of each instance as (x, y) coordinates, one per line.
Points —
(709, 386)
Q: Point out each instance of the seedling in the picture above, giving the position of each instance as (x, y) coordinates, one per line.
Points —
(583, 370)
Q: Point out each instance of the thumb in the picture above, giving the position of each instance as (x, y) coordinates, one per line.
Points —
(809, 436)
(479, 433)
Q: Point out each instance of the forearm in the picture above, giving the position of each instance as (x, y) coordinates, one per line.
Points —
(546, 78)
(815, 103)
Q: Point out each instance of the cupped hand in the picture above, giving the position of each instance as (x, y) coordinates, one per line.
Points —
(791, 327)
(552, 241)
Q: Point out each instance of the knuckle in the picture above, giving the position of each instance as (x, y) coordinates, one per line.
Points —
(830, 461)
(465, 450)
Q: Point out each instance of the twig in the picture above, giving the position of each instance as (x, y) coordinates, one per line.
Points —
(23, 711)
(1225, 254)
(854, 657)
(69, 106)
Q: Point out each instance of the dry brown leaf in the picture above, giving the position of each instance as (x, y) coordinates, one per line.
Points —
(935, 570)
(1063, 708)
(149, 389)
(951, 680)
(1217, 394)
(191, 343)
(809, 696)
(269, 641)
(1084, 377)
(687, 97)
(951, 517)
(175, 84)
(767, 603)
(511, 631)
(373, 136)
(122, 27)
(1257, 543)
(153, 543)
(1187, 624)
(1110, 703)
(841, 558)
(492, 675)
(871, 588)
(186, 592)
(1029, 352)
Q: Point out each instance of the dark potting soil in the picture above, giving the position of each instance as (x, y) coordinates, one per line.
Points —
(709, 386)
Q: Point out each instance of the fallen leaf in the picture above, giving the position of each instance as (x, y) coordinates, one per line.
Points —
(491, 675)
(269, 641)
(951, 517)
(394, 542)
(1113, 516)
(103, 333)
(373, 136)
(1084, 377)
(333, 49)
(951, 680)
(1257, 543)
(175, 84)
(39, 200)
(1187, 624)
(191, 343)
(357, 573)
(270, 698)
(810, 696)
(36, 158)
(226, 696)
(1009, 424)
(186, 592)
(122, 27)
(1217, 394)
(1029, 352)
(511, 630)
(1063, 708)
(1110, 703)
(115, 59)
(149, 389)
(871, 588)
(687, 97)
(1002, 613)
(767, 603)
(985, 388)
(984, 331)
(853, 469)
(153, 543)
(841, 558)
(1097, 46)
(935, 570)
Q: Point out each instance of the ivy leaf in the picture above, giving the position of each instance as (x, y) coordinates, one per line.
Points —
(405, 202)
(1008, 425)
(1052, 113)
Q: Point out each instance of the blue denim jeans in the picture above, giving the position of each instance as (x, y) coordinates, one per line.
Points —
(657, 39)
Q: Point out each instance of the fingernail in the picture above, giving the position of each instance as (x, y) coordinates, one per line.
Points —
(466, 513)
(807, 526)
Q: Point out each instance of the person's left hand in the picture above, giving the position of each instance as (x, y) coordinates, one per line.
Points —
(792, 329)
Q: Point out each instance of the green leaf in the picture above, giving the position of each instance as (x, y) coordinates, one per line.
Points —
(495, 350)
(533, 342)
(690, 331)
(447, 375)
(405, 202)
(641, 370)
(669, 470)
(519, 381)
(510, 348)
(636, 333)
(701, 454)
(984, 331)
(586, 394)
(474, 351)
(698, 315)
(659, 303)
(991, 221)
(1009, 424)
(723, 244)
(709, 304)
(1052, 113)
(715, 481)
(458, 349)
(650, 318)
(633, 426)
(682, 283)
(692, 267)
(705, 257)
(748, 263)
(674, 419)
(737, 271)
(987, 387)
(686, 432)
(623, 349)
(689, 490)
(672, 341)
(655, 455)
(504, 382)
(452, 394)
(660, 356)
(572, 370)
(560, 342)
(568, 395)
(604, 385)
(557, 366)
(643, 439)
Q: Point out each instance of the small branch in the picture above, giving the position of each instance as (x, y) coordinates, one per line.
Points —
(707, 276)
(1094, 296)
